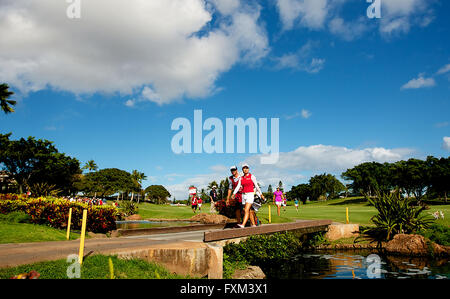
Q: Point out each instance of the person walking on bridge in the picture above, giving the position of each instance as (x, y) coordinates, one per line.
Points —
(249, 184)
(233, 181)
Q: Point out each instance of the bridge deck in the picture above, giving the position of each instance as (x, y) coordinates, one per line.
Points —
(306, 226)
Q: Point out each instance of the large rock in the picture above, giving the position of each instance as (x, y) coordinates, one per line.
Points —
(415, 245)
(252, 272)
(210, 218)
(338, 231)
(133, 217)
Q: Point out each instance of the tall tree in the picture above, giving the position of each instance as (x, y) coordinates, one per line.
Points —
(90, 166)
(301, 192)
(31, 161)
(5, 103)
(369, 178)
(106, 182)
(325, 185)
(157, 194)
(137, 177)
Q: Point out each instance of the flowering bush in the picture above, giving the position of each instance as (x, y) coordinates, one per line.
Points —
(55, 212)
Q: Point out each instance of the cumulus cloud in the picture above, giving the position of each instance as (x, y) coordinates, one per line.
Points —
(397, 17)
(306, 13)
(446, 143)
(419, 82)
(159, 51)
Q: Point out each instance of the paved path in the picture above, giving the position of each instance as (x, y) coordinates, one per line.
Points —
(28, 253)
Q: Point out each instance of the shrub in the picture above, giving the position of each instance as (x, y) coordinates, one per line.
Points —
(264, 248)
(129, 208)
(55, 212)
(437, 233)
(395, 215)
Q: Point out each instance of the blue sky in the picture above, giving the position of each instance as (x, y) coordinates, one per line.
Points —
(346, 89)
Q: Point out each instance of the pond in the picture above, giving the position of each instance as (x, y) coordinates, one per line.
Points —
(135, 224)
(357, 265)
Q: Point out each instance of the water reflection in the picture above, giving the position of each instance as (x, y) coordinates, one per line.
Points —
(354, 265)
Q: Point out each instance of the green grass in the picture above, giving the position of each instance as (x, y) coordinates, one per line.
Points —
(14, 228)
(359, 211)
(95, 267)
(25, 233)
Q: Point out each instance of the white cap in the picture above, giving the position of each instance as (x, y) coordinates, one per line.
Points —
(245, 165)
(234, 167)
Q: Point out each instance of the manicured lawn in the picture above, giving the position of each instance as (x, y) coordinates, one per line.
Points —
(359, 211)
(95, 267)
(26, 232)
(147, 210)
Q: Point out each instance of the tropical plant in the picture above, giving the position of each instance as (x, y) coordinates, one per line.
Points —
(129, 208)
(43, 189)
(90, 166)
(395, 215)
(5, 103)
(137, 178)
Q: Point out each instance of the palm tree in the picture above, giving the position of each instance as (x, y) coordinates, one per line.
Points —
(90, 165)
(137, 177)
(6, 104)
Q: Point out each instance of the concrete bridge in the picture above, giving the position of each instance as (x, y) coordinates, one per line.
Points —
(196, 250)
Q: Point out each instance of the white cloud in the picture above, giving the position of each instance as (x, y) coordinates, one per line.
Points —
(444, 69)
(419, 82)
(306, 13)
(398, 16)
(306, 114)
(173, 48)
(446, 143)
(301, 60)
(348, 30)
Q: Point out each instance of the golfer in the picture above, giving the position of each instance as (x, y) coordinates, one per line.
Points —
(213, 197)
(233, 181)
(194, 202)
(249, 185)
(278, 199)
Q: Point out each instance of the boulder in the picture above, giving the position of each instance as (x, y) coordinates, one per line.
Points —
(133, 217)
(415, 245)
(252, 272)
(210, 218)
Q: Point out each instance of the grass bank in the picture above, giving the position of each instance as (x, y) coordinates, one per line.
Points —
(95, 267)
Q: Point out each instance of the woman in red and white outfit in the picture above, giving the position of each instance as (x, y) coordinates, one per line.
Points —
(249, 185)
